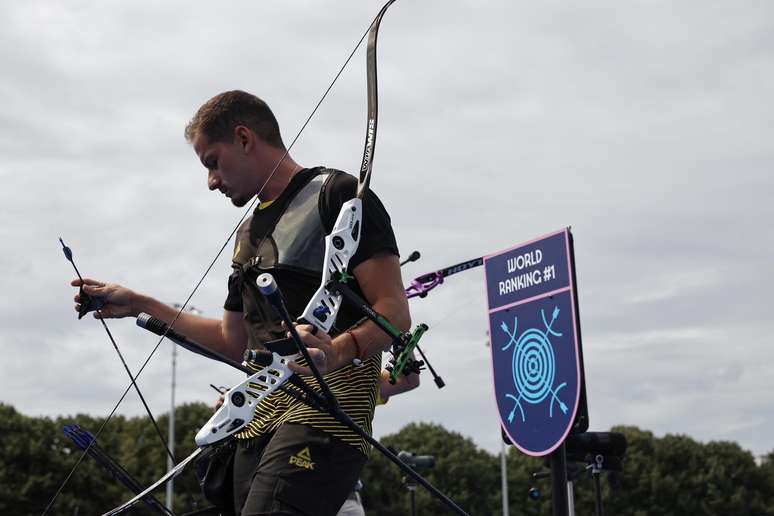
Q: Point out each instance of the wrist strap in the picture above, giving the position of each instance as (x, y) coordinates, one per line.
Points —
(358, 360)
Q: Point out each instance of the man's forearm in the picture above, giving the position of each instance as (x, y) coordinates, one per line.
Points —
(202, 330)
(367, 339)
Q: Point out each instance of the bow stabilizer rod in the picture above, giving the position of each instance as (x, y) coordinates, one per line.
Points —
(423, 284)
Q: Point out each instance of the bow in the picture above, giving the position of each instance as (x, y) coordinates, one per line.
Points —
(342, 243)
(321, 311)
(333, 242)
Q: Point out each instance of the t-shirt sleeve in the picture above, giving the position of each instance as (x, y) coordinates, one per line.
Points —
(234, 299)
(377, 235)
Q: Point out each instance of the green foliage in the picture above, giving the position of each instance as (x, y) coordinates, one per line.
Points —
(676, 475)
(672, 475)
(520, 470)
(36, 456)
(467, 475)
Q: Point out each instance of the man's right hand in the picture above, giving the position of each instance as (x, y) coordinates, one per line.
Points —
(118, 300)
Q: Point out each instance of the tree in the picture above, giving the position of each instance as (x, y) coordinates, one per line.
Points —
(36, 457)
(467, 475)
(676, 475)
(672, 475)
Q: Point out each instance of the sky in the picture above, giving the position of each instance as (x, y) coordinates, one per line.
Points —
(645, 126)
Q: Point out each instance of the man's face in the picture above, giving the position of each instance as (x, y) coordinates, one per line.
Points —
(227, 169)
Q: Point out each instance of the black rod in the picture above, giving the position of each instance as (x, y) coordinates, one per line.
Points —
(559, 482)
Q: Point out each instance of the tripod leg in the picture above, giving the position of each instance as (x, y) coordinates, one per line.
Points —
(598, 492)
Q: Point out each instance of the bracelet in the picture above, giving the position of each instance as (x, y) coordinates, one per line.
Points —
(357, 361)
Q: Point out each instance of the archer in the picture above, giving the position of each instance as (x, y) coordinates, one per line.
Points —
(291, 458)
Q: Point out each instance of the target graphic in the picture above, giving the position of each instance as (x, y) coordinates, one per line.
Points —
(533, 366)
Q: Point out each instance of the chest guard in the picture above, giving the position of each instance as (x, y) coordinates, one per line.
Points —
(293, 241)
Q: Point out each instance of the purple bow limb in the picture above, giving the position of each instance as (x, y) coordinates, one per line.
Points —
(423, 284)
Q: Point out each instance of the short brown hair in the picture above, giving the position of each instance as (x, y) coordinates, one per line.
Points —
(218, 117)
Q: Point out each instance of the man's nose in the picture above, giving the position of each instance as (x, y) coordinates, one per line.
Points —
(213, 181)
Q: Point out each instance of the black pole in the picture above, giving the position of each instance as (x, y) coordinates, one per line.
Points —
(411, 487)
(559, 482)
(598, 491)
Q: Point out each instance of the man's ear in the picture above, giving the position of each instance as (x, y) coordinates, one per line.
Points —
(245, 138)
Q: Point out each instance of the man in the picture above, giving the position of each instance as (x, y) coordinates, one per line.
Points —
(290, 459)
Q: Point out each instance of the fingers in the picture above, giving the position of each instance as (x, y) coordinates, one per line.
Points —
(299, 325)
(94, 290)
(89, 286)
(80, 299)
(311, 336)
(304, 371)
(321, 342)
(86, 281)
(319, 359)
(104, 298)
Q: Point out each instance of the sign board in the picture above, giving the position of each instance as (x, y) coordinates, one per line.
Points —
(535, 341)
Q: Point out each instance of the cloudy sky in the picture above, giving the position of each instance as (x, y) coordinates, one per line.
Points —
(646, 126)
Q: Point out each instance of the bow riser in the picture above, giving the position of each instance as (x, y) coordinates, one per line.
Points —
(340, 246)
(241, 401)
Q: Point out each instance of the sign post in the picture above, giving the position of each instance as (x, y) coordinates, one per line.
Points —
(535, 345)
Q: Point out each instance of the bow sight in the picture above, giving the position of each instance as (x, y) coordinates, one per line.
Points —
(403, 342)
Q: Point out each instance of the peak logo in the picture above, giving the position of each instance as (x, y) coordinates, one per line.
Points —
(302, 459)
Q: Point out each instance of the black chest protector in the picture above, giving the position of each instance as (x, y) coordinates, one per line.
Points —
(289, 242)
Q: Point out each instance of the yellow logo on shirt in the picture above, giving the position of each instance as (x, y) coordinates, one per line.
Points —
(302, 459)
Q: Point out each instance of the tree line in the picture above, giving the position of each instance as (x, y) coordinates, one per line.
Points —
(670, 475)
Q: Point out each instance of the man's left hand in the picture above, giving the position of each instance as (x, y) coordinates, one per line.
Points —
(320, 348)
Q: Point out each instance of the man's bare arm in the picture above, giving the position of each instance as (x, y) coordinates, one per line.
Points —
(401, 385)
(382, 286)
(226, 336)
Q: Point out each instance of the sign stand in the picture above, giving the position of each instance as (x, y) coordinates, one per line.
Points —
(559, 498)
(537, 362)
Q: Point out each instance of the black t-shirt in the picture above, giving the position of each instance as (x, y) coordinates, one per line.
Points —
(355, 387)
(297, 286)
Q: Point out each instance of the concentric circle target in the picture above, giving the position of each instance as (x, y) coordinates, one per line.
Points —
(534, 366)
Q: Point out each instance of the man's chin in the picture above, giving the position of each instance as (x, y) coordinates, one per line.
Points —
(238, 202)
